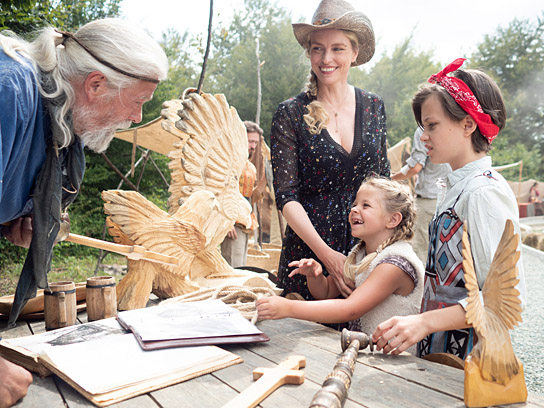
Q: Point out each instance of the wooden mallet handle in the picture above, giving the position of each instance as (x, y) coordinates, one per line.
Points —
(135, 252)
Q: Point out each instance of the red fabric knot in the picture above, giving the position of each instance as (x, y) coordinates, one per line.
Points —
(465, 98)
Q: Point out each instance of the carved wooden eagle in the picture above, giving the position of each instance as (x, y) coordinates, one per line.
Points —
(204, 204)
(500, 310)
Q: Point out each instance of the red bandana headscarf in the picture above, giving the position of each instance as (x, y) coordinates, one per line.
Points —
(466, 99)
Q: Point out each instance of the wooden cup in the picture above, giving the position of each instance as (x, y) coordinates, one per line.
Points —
(101, 298)
(60, 305)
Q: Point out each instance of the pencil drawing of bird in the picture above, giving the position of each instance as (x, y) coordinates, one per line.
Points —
(204, 202)
(500, 311)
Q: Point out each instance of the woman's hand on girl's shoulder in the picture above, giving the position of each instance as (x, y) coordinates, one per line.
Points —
(334, 263)
(307, 267)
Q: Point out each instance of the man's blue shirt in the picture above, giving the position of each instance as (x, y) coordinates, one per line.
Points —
(24, 130)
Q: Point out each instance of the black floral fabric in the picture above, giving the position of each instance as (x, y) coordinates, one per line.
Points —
(322, 176)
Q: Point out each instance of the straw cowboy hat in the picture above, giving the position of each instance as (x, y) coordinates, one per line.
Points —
(340, 15)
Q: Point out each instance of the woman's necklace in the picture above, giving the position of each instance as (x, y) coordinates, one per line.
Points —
(335, 111)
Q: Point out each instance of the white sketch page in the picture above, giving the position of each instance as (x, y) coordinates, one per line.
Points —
(115, 362)
(207, 318)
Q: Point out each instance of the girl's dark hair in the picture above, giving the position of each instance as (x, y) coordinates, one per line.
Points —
(484, 89)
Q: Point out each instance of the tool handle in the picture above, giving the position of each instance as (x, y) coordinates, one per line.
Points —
(135, 252)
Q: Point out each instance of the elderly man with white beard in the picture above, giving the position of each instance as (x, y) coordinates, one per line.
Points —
(59, 93)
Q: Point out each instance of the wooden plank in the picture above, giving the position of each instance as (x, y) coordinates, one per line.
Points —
(82, 317)
(378, 381)
(202, 392)
(42, 393)
(438, 377)
(286, 396)
(444, 379)
(37, 326)
(154, 136)
(21, 329)
(533, 400)
(405, 366)
(370, 384)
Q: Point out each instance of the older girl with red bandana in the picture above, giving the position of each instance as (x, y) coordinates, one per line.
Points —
(461, 114)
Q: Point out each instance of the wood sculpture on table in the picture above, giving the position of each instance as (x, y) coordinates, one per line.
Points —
(205, 203)
(493, 373)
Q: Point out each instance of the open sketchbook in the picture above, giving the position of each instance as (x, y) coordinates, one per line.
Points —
(207, 322)
(106, 365)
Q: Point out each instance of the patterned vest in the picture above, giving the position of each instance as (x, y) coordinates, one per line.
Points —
(445, 283)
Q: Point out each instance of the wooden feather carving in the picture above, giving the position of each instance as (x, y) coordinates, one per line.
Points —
(204, 204)
(213, 156)
(500, 310)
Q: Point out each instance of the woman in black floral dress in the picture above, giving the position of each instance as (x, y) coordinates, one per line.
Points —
(324, 143)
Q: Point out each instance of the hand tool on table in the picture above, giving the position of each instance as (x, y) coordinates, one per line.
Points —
(335, 388)
(268, 380)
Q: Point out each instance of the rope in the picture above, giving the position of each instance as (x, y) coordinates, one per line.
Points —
(242, 298)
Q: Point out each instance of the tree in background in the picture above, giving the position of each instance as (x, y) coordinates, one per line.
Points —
(26, 16)
(514, 56)
(232, 68)
(396, 79)
(182, 74)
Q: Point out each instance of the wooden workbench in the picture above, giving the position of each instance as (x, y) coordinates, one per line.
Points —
(379, 380)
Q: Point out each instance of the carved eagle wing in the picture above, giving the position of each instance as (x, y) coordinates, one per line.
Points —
(500, 310)
(143, 223)
(211, 157)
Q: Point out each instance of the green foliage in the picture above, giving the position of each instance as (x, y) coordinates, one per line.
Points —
(25, 16)
(232, 69)
(76, 268)
(396, 79)
(182, 73)
(514, 56)
(9, 254)
(505, 152)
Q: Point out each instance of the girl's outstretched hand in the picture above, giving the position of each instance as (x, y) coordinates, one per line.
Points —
(398, 333)
(307, 267)
(272, 307)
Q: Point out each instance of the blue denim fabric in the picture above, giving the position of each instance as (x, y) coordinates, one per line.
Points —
(24, 129)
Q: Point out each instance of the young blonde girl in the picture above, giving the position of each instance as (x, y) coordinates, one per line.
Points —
(388, 275)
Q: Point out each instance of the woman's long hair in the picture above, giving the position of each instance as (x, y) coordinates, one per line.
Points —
(317, 117)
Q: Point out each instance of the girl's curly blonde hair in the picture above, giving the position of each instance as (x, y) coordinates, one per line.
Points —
(397, 197)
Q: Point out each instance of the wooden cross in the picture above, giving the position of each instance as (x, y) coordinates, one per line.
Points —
(268, 380)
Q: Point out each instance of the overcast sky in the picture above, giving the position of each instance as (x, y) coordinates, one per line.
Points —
(452, 29)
